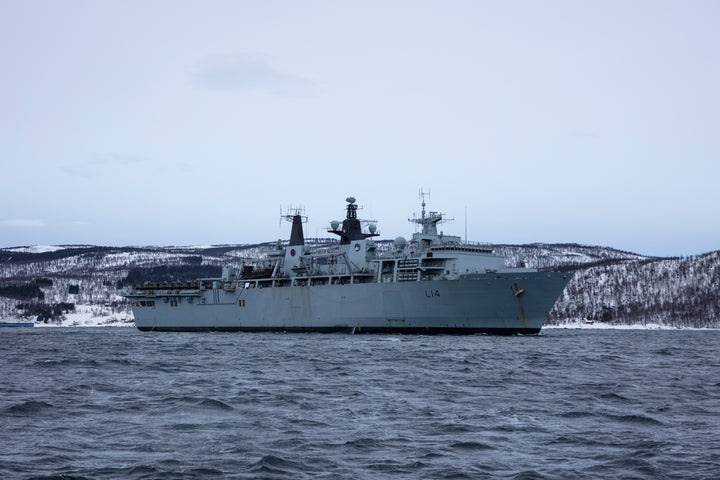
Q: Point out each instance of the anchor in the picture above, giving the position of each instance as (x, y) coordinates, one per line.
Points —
(517, 290)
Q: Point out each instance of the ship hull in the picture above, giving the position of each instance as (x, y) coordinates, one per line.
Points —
(516, 303)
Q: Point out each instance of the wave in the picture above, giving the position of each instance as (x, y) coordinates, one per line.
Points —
(212, 404)
(205, 403)
(365, 443)
(274, 465)
(615, 397)
(471, 446)
(66, 362)
(635, 419)
(30, 407)
(528, 475)
(62, 476)
(577, 414)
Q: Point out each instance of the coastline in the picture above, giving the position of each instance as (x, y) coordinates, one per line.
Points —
(88, 318)
(604, 326)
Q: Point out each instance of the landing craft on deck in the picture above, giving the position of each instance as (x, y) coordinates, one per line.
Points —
(433, 283)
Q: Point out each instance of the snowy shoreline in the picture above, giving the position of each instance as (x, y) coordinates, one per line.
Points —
(604, 326)
(89, 316)
(89, 319)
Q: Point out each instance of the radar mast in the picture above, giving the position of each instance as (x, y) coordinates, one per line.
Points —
(428, 220)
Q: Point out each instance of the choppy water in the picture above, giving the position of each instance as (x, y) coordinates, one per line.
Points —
(118, 403)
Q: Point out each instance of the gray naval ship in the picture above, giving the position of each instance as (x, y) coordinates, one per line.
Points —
(433, 283)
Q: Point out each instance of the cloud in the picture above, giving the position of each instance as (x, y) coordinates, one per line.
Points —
(22, 223)
(99, 163)
(115, 159)
(244, 72)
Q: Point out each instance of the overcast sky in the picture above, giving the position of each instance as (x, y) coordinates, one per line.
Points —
(193, 123)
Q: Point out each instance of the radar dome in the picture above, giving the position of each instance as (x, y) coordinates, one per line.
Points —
(334, 224)
(372, 227)
(350, 199)
(399, 243)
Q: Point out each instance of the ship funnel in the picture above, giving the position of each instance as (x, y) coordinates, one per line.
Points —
(296, 234)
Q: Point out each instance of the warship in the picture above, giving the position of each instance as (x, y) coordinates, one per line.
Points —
(431, 283)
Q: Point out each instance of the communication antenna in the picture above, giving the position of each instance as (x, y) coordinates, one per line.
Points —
(291, 212)
(465, 223)
(421, 196)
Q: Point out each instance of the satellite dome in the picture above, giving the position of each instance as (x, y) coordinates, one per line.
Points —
(399, 243)
(334, 224)
(372, 227)
(350, 199)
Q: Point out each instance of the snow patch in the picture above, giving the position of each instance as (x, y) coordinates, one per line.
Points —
(35, 249)
(88, 316)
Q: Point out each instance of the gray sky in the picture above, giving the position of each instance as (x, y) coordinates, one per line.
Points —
(184, 123)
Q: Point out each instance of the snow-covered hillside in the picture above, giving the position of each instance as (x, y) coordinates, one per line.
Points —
(679, 292)
(81, 284)
(567, 255)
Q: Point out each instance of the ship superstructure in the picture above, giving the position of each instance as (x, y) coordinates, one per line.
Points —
(433, 283)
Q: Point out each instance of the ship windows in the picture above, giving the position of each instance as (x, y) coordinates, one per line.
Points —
(147, 303)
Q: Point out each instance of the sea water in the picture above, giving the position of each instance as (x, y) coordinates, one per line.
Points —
(102, 403)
